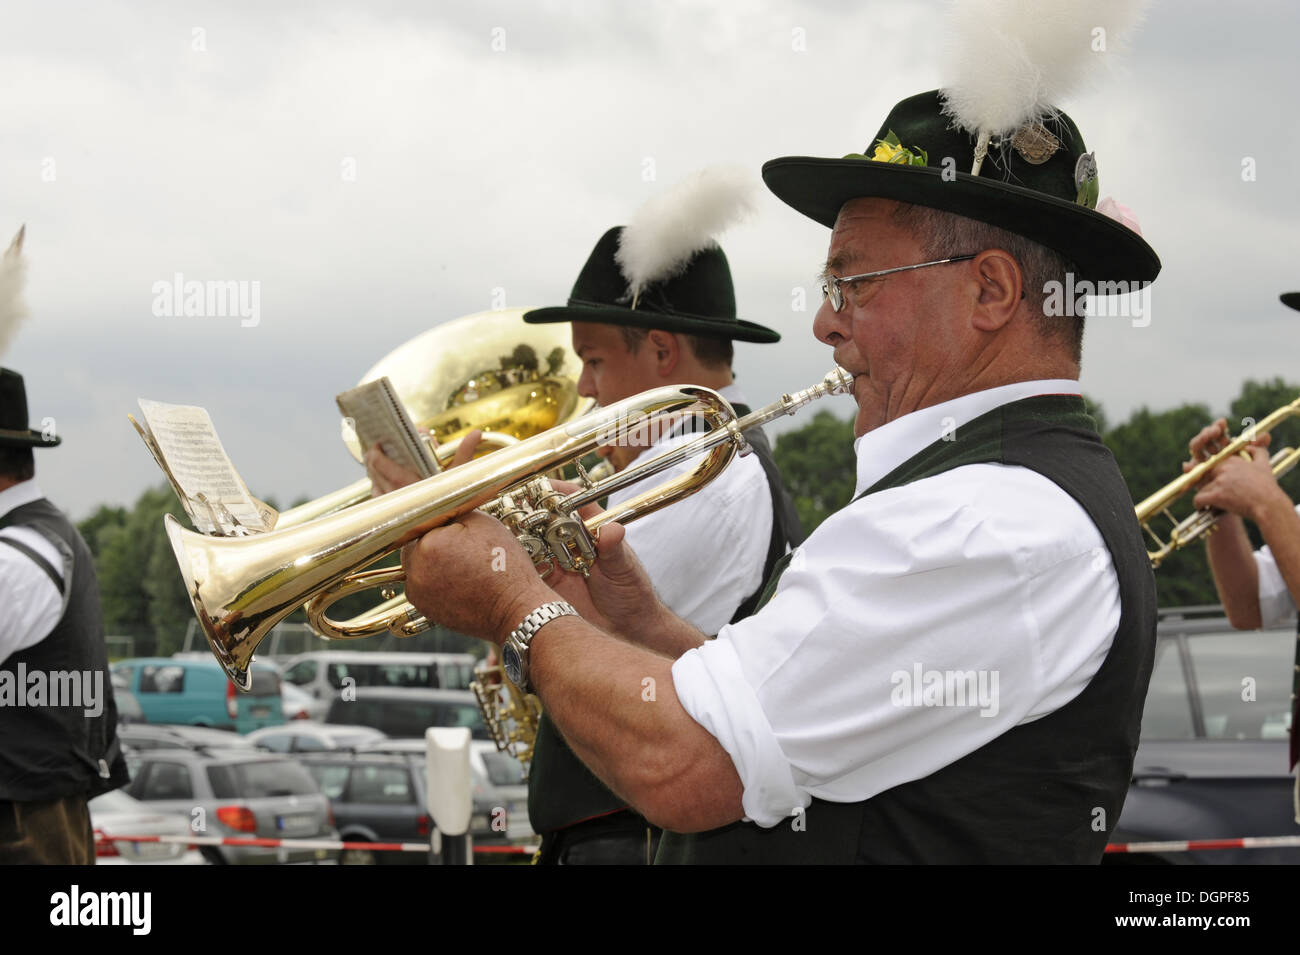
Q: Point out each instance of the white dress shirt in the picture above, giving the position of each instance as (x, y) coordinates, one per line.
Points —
(704, 554)
(984, 569)
(1276, 605)
(30, 604)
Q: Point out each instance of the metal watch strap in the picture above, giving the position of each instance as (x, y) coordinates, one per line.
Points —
(543, 615)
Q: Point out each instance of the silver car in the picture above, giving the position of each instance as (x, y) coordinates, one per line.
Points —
(117, 814)
(240, 793)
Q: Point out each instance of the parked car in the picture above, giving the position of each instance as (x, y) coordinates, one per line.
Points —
(303, 737)
(500, 788)
(116, 813)
(323, 673)
(298, 704)
(128, 706)
(376, 798)
(407, 712)
(1212, 762)
(145, 736)
(238, 792)
(197, 692)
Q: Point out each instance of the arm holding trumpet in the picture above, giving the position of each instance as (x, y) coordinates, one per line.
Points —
(653, 754)
(1256, 588)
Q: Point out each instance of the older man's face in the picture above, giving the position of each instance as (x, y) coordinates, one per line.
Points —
(893, 334)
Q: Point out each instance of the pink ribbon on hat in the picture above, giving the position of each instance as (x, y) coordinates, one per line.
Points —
(1120, 213)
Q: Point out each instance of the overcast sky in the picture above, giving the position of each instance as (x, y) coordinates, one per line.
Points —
(380, 170)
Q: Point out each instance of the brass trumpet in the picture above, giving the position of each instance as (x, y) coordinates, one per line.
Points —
(241, 587)
(1201, 522)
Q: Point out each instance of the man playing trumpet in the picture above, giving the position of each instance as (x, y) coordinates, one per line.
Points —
(991, 537)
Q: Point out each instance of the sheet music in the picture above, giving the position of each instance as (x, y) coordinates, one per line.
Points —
(378, 417)
(185, 445)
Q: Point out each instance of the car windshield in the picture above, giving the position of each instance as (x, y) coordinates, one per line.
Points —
(1230, 685)
(255, 780)
(265, 683)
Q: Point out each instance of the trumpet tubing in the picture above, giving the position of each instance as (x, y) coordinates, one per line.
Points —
(1202, 522)
(242, 587)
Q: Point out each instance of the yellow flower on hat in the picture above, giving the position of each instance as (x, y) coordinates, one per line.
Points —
(890, 152)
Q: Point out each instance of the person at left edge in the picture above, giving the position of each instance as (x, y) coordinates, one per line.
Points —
(53, 759)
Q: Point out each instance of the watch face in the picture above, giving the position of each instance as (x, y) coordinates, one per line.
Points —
(510, 660)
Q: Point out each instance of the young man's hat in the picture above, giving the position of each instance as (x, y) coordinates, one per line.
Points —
(665, 268)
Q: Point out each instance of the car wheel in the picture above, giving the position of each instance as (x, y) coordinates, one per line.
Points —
(358, 857)
(211, 856)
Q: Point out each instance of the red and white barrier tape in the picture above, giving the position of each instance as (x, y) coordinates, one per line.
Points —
(303, 843)
(1199, 845)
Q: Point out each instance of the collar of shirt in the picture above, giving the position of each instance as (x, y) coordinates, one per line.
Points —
(882, 450)
(24, 492)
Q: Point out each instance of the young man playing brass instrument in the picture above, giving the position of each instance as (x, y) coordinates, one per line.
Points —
(655, 307)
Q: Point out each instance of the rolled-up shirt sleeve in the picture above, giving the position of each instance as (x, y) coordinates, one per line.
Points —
(912, 627)
(1276, 605)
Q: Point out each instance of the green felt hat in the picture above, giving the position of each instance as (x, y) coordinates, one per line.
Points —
(1039, 182)
(698, 300)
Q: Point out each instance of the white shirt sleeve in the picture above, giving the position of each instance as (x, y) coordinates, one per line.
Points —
(31, 602)
(988, 578)
(705, 554)
(1276, 605)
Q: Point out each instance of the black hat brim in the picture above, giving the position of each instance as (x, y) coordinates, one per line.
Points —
(26, 438)
(737, 330)
(1102, 249)
(1291, 300)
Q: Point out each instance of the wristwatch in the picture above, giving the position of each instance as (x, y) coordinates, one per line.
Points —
(514, 652)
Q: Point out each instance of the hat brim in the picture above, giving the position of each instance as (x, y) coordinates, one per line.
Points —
(738, 330)
(26, 438)
(1102, 249)
(1291, 300)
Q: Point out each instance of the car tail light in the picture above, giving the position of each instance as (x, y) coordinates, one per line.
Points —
(422, 825)
(232, 701)
(104, 847)
(239, 818)
(329, 814)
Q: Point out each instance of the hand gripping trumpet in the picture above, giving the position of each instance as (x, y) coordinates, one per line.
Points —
(1201, 522)
(241, 587)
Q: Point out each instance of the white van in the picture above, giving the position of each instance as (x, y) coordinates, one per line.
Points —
(322, 673)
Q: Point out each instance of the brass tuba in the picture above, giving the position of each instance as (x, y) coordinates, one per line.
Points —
(1201, 522)
(241, 587)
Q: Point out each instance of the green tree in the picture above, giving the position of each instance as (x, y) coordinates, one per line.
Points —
(818, 465)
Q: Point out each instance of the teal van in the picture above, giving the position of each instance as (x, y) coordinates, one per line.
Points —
(195, 692)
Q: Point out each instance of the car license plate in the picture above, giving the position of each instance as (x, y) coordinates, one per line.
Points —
(154, 850)
(301, 821)
(261, 712)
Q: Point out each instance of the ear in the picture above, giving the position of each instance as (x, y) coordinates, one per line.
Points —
(666, 351)
(1001, 289)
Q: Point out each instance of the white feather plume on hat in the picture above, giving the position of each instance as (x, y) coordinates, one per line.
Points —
(666, 232)
(1011, 62)
(13, 278)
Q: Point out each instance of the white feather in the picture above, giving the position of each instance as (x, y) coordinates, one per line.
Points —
(13, 277)
(1010, 62)
(667, 231)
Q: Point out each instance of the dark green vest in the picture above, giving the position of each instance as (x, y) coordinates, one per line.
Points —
(562, 791)
(49, 752)
(1046, 791)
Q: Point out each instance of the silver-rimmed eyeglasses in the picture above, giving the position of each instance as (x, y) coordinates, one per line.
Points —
(831, 284)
